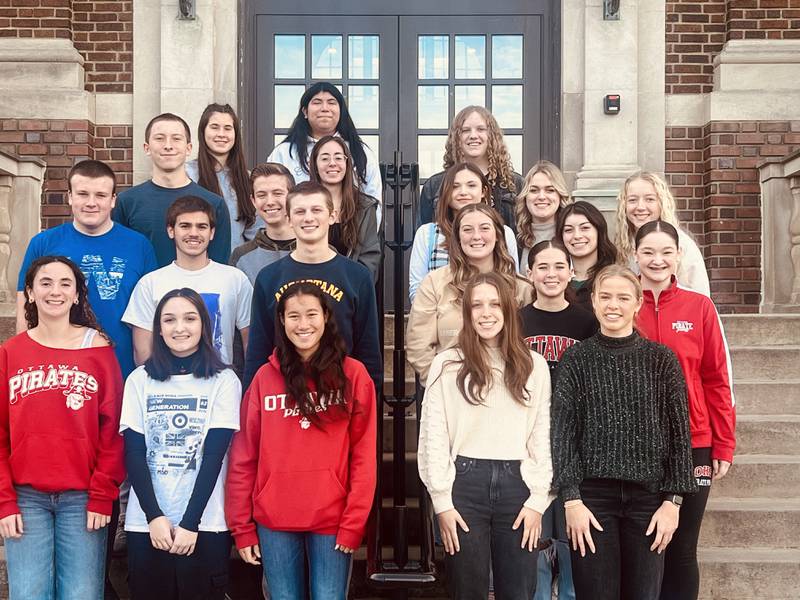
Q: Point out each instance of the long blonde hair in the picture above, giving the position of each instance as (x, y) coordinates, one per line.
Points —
(525, 233)
(500, 173)
(623, 238)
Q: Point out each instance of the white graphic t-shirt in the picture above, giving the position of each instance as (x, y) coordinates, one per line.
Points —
(174, 416)
(227, 293)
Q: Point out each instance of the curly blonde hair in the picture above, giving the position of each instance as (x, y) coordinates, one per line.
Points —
(623, 238)
(525, 233)
(500, 173)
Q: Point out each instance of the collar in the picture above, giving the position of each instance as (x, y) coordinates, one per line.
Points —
(665, 296)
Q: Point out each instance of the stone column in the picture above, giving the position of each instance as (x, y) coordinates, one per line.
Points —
(794, 236)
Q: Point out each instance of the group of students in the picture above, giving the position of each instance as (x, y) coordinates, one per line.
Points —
(141, 322)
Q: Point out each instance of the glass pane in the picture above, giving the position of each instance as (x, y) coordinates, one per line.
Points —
(362, 101)
(279, 137)
(430, 151)
(507, 105)
(469, 95)
(506, 56)
(433, 57)
(326, 56)
(287, 103)
(290, 56)
(514, 145)
(363, 56)
(373, 144)
(470, 57)
(432, 107)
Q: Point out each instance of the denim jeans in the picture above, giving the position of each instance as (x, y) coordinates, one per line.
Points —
(56, 558)
(623, 567)
(284, 555)
(488, 494)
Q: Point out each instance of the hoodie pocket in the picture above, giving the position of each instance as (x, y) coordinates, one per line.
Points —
(52, 462)
(301, 500)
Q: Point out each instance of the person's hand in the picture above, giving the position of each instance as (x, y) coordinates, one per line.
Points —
(183, 541)
(449, 522)
(161, 533)
(580, 521)
(344, 549)
(664, 522)
(720, 468)
(532, 527)
(96, 520)
(11, 526)
(251, 554)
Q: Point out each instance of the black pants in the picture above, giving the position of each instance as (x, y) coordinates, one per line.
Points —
(681, 572)
(489, 495)
(623, 567)
(158, 574)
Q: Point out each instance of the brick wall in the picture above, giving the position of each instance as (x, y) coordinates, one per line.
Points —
(35, 18)
(695, 33)
(763, 19)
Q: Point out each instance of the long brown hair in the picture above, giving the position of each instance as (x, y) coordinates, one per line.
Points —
(475, 373)
(444, 214)
(206, 164)
(350, 194)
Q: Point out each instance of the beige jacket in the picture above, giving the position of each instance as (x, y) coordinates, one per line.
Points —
(435, 318)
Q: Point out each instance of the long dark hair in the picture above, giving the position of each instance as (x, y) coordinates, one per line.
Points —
(206, 362)
(656, 226)
(300, 131)
(80, 313)
(206, 164)
(324, 369)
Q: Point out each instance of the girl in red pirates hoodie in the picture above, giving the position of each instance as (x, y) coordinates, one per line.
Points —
(302, 470)
(61, 460)
(687, 322)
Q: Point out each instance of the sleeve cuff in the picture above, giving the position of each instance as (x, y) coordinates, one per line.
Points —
(442, 502)
(722, 453)
(102, 507)
(570, 492)
(246, 538)
(9, 508)
(349, 538)
(539, 501)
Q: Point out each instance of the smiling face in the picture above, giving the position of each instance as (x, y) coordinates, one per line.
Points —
(467, 189)
(304, 322)
(474, 137)
(181, 327)
(331, 163)
(641, 203)
(657, 256)
(192, 234)
(91, 199)
(269, 198)
(168, 146)
(310, 218)
(579, 236)
(219, 134)
(322, 114)
(542, 200)
(615, 305)
(477, 236)
(550, 273)
(54, 291)
(487, 313)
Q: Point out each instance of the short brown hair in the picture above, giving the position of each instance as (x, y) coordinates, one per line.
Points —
(190, 204)
(309, 188)
(94, 169)
(268, 169)
(167, 117)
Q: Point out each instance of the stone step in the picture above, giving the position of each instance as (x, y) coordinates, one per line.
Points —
(758, 330)
(766, 397)
(771, 476)
(749, 573)
(388, 365)
(762, 522)
(768, 434)
(767, 362)
(410, 431)
(388, 328)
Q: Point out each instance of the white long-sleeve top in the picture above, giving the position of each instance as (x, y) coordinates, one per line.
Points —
(499, 429)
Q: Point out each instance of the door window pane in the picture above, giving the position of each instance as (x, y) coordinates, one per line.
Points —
(430, 150)
(373, 144)
(278, 138)
(507, 56)
(507, 105)
(470, 57)
(326, 56)
(363, 56)
(362, 102)
(514, 145)
(433, 56)
(469, 95)
(287, 103)
(432, 107)
(290, 56)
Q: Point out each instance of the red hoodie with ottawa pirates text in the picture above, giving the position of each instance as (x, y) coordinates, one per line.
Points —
(289, 474)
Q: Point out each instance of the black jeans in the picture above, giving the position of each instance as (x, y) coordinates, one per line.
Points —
(489, 495)
(681, 572)
(158, 574)
(623, 567)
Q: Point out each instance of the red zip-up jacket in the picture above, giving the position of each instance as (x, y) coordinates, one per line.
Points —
(687, 322)
(289, 474)
(59, 422)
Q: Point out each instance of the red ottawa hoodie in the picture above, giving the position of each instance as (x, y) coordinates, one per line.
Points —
(59, 422)
(289, 474)
(687, 322)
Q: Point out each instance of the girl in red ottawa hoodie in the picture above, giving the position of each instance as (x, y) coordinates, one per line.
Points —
(687, 322)
(301, 474)
(61, 459)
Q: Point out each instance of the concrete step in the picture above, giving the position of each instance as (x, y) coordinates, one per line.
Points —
(749, 573)
(752, 522)
(410, 431)
(766, 397)
(768, 434)
(758, 330)
(388, 364)
(771, 476)
(388, 327)
(767, 362)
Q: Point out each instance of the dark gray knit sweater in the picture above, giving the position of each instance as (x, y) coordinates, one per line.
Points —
(619, 412)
